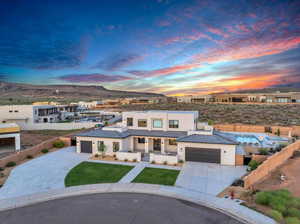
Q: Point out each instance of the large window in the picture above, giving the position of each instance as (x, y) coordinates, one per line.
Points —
(116, 146)
(142, 123)
(157, 123)
(141, 140)
(173, 124)
(129, 121)
(172, 142)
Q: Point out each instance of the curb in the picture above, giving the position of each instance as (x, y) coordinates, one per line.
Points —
(232, 209)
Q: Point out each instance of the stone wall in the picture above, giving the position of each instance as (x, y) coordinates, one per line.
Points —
(270, 164)
(20, 156)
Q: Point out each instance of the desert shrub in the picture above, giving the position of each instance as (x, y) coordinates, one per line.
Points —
(134, 160)
(292, 220)
(58, 144)
(262, 198)
(165, 163)
(293, 212)
(45, 151)
(276, 215)
(278, 205)
(1, 169)
(295, 203)
(10, 164)
(253, 164)
(96, 155)
(263, 151)
(29, 156)
(125, 160)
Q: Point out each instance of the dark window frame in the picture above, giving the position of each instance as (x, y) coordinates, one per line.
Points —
(143, 125)
(141, 140)
(129, 121)
(173, 125)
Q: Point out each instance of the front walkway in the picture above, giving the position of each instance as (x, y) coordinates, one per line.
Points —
(208, 178)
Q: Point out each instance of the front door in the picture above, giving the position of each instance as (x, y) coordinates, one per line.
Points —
(157, 144)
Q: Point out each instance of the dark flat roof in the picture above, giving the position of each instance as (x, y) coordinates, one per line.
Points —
(216, 138)
(131, 132)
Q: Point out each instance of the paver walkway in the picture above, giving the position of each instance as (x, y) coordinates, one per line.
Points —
(41, 174)
(133, 173)
(208, 177)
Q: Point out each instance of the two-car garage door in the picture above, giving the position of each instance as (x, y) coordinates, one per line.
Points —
(86, 146)
(202, 155)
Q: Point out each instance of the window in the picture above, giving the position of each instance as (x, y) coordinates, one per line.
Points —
(172, 142)
(129, 121)
(16, 111)
(157, 123)
(141, 140)
(142, 123)
(173, 123)
(101, 146)
(116, 146)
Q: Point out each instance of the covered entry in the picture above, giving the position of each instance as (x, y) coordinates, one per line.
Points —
(202, 155)
(86, 146)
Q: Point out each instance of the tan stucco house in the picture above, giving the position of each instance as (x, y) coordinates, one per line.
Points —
(160, 137)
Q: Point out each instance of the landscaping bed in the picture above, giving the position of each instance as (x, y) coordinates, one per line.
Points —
(157, 176)
(94, 173)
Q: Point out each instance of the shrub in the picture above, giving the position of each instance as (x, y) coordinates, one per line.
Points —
(292, 220)
(295, 202)
(165, 163)
(262, 198)
(134, 160)
(45, 151)
(276, 215)
(180, 161)
(1, 169)
(2, 175)
(293, 212)
(96, 155)
(58, 144)
(263, 151)
(125, 160)
(253, 164)
(278, 205)
(29, 156)
(153, 162)
(10, 164)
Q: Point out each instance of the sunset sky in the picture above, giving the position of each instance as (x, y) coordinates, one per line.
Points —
(174, 47)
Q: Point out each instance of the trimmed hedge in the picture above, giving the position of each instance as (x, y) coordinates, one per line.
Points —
(276, 215)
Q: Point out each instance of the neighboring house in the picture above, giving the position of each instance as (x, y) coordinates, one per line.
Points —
(160, 136)
(9, 137)
(30, 114)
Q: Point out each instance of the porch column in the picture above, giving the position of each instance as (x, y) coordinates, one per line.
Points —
(147, 145)
(131, 147)
(163, 145)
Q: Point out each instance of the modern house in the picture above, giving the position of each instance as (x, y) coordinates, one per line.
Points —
(9, 138)
(30, 114)
(160, 137)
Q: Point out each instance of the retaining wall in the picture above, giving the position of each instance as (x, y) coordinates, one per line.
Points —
(270, 164)
(20, 156)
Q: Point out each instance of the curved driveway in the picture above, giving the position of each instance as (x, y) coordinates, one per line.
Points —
(112, 208)
(44, 173)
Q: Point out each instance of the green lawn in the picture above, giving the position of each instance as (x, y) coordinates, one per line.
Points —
(157, 176)
(93, 173)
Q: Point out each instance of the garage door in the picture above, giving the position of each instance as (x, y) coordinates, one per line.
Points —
(203, 155)
(86, 146)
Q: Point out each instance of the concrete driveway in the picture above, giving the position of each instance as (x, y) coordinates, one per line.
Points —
(41, 174)
(208, 178)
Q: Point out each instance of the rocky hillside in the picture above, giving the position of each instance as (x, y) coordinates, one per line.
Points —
(22, 93)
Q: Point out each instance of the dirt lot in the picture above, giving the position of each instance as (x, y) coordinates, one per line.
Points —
(253, 114)
(32, 138)
(291, 170)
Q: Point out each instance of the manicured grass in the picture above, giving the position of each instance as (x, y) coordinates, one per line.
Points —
(93, 173)
(157, 176)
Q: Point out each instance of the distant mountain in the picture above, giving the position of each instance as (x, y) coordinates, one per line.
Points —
(26, 92)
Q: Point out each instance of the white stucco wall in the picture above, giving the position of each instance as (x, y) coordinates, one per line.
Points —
(227, 151)
(186, 119)
(108, 142)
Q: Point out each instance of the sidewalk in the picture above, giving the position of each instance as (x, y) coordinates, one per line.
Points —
(228, 207)
(133, 173)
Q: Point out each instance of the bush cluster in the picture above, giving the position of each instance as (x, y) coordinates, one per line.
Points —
(283, 205)
(58, 144)
(44, 150)
(11, 164)
(253, 164)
